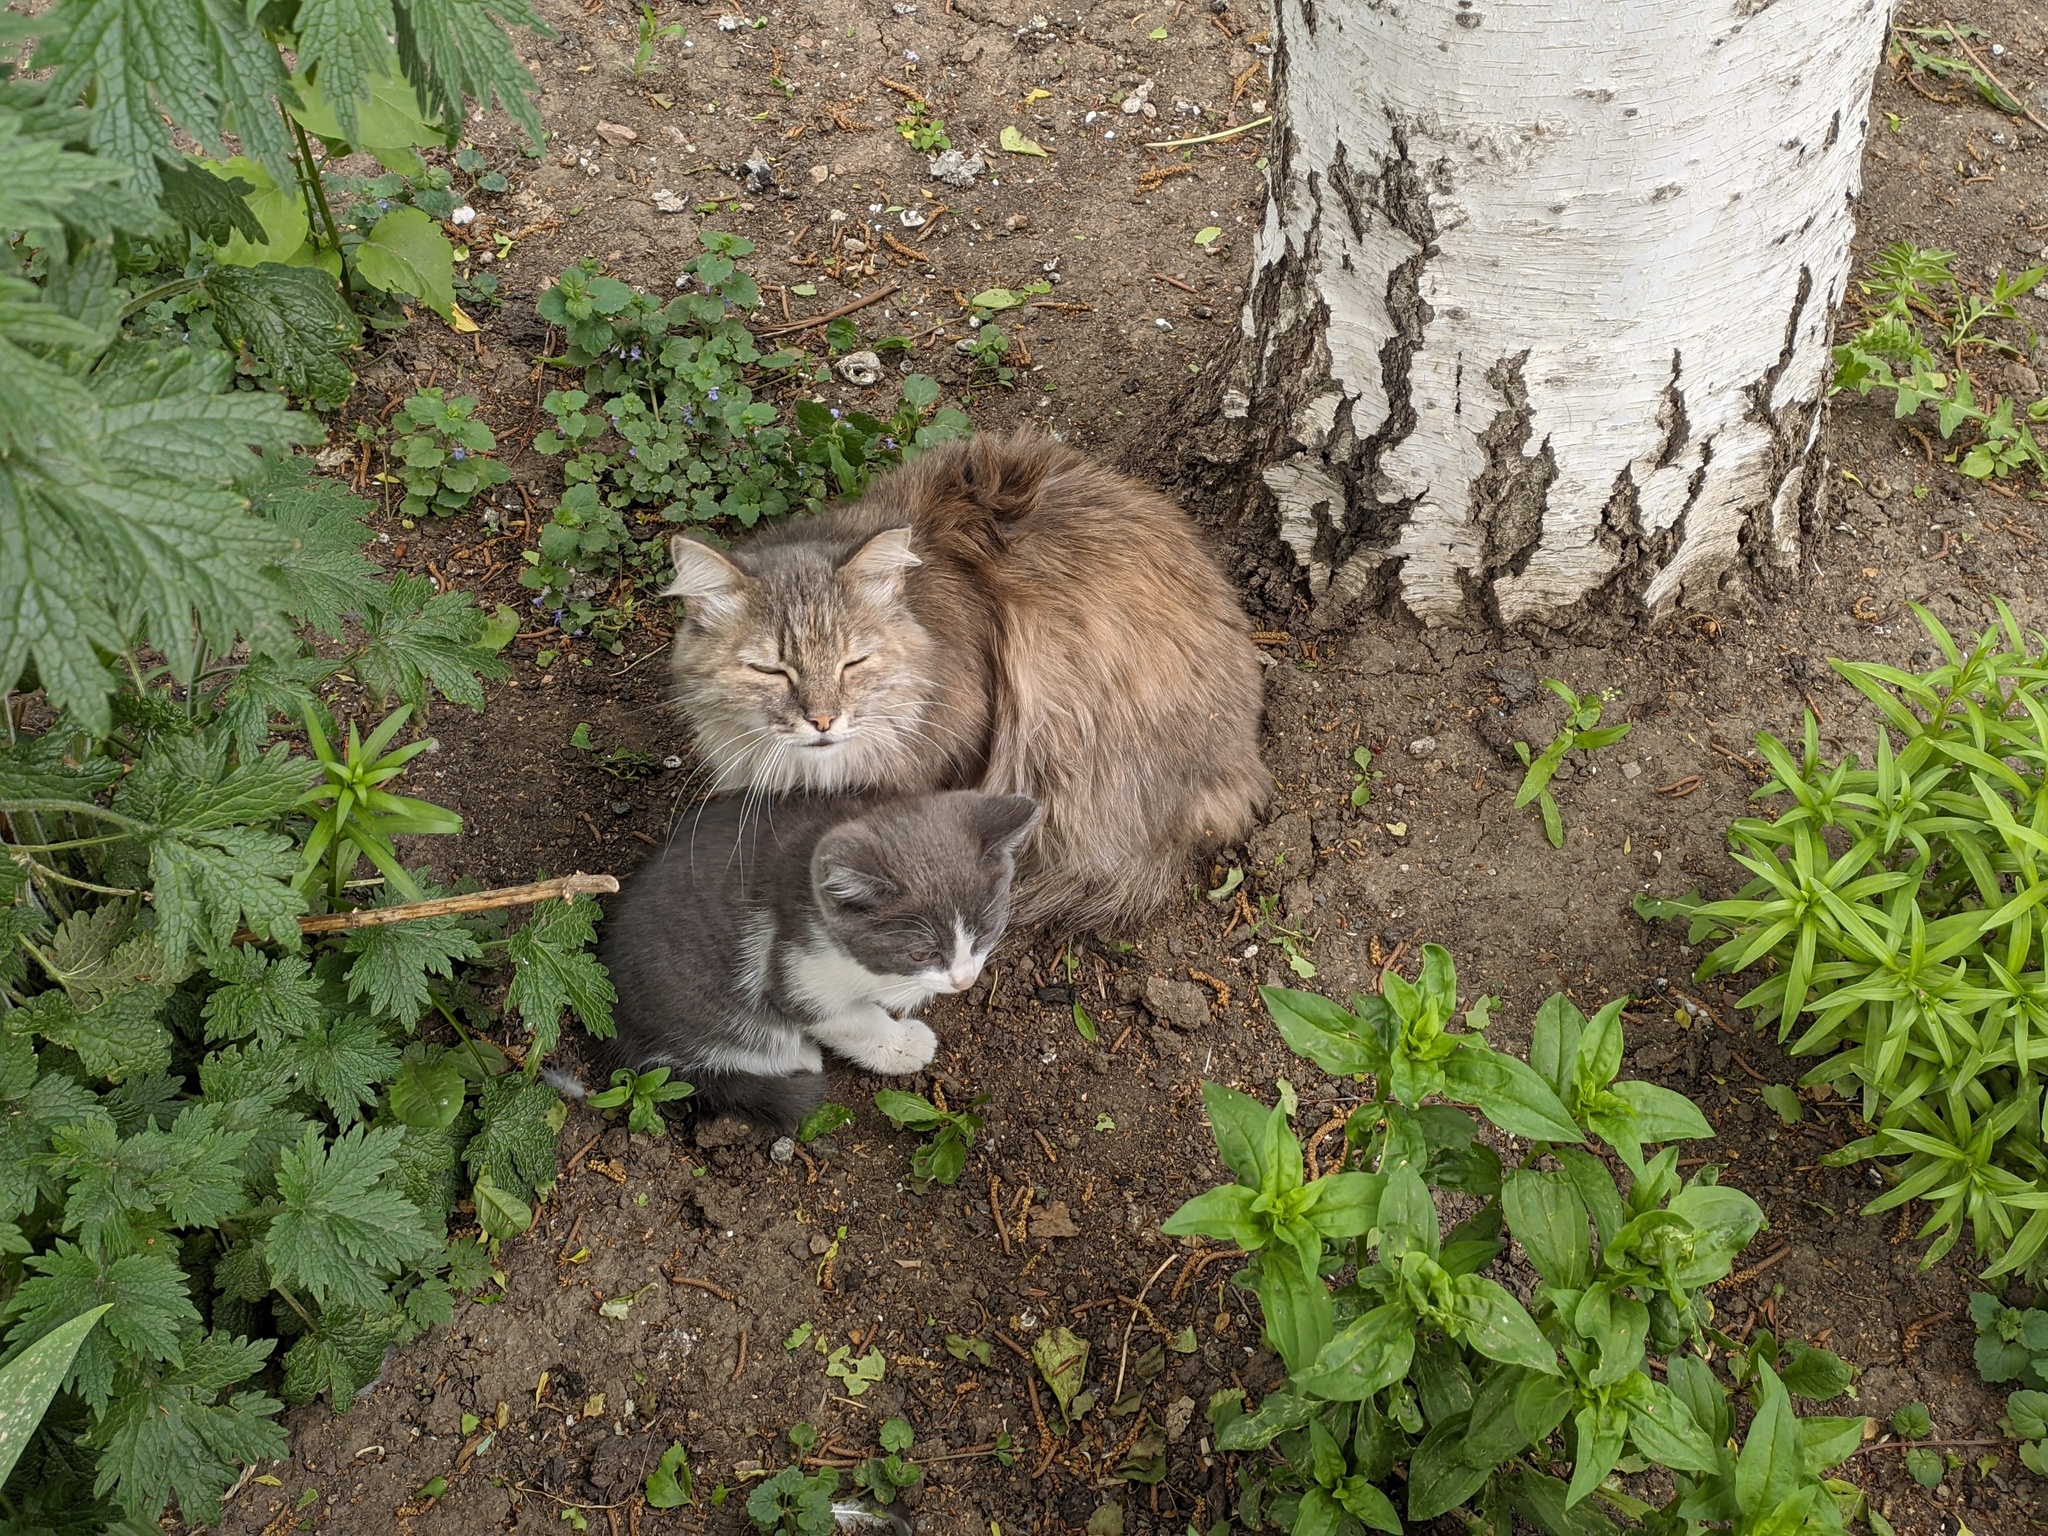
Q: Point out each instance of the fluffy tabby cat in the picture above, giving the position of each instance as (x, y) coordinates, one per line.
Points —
(766, 931)
(1001, 614)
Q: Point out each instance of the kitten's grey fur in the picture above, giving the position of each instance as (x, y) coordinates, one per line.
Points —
(764, 932)
(1001, 615)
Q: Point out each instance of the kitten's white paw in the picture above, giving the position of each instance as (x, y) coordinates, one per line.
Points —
(907, 1048)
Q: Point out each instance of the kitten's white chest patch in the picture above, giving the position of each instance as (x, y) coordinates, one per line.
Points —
(831, 981)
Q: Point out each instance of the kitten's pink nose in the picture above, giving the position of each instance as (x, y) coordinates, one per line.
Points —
(963, 974)
(822, 721)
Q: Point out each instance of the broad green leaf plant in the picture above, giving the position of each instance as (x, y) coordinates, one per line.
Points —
(1893, 922)
(1403, 1352)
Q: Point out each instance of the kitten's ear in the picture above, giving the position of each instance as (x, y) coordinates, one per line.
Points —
(1005, 822)
(844, 871)
(879, 564)
(711, 584)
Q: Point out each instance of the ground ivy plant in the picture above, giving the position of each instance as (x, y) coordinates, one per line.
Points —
(1403, 1352)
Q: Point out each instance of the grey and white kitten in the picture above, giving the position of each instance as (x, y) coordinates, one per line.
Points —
(765, 932)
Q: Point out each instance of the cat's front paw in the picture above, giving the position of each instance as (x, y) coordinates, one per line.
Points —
(908, 1048)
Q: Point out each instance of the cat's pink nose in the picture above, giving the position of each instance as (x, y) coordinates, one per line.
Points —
(962, 974)
(821, 721)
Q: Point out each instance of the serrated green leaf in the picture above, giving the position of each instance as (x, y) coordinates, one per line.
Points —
(203, 65)
(417, 639)
(213, 207)
(271, 205)
(342, 1062)
(515, 1137)
(394, 960)
(341, 1223)
(272, 1000)
(121, 1035)
(427, 1095)
(553, 969)
(292, 318)
(150, 1311)
(342, 1354)
(126, 1191)
(455, 49)
(345, 47)
(500, 1213)
(170, 1437)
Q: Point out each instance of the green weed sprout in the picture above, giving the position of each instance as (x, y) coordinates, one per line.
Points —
(353, 814)
(441, 452)
(642, 1094)
(1582, 733)
(940, 1158)
(653, 31)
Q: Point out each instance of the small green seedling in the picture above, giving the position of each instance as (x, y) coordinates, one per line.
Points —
(886, 1476)
(989, 352)
(441, 453)
(1582, 733)
(354, 815)
(962, 1348)
(922, 130)
(652, 32)
(1361, 783)
(642, 1094)
(792, 1503)
(618, 762)
(940, 1158)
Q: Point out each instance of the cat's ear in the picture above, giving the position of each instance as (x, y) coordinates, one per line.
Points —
(1005, 822)
(711, 584)
(845, 872)
(879, 564)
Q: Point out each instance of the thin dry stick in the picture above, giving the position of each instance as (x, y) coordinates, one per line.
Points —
(1136, 1307)
(2010, 94)
(844, 309)
(1211, 138)
(567, 888)
(1920, 1445)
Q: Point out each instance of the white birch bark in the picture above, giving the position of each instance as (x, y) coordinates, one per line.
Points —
(1539, 320)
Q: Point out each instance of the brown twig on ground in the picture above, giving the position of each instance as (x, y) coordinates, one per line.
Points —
(1678, 789)
(845, 309)
(1755, 770)
(696, 1284)
(1336, 1123)
(2010, 94)
(1046, 1444)
(1240, 81)
(1174, 282)
(1137, 1306)
(1050, 1155)
(577, 1157)
(905, 250)
(904, 90)
(740, 1364)
(567, 888)
(1014, 1347)
(931, 222)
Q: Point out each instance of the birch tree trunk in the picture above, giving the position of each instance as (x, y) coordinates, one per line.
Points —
(1539, 319)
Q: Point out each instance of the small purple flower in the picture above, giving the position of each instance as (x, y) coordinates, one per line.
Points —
(559, 614)
(536, 602)
(632, 453)
(710, 394)
(888, 442)
(688, 416)
(458, 454)
(910, 55)
(634, 354)
(383, 202)
(835, 413)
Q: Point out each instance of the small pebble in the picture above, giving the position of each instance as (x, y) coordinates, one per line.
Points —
(672, 762)
(1422, 746)
(784, 1150)
(622, 808)
(1631, 770)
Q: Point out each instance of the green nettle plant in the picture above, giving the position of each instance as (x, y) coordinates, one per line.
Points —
(1894, 912)
(1402, 1352)
(234, 1138)
(667, 425)
(442, 453)
(941, 1157)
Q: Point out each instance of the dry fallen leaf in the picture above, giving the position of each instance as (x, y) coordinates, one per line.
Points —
(617, 133)
(1014, 140)
(1053, 1221)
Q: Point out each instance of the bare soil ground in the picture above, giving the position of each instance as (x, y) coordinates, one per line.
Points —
(1090, 1145)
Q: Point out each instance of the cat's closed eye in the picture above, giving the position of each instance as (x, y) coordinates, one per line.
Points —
(853, 661)
(768, 669)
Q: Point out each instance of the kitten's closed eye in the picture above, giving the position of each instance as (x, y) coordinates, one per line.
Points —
(767, 669)
(853, 661)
